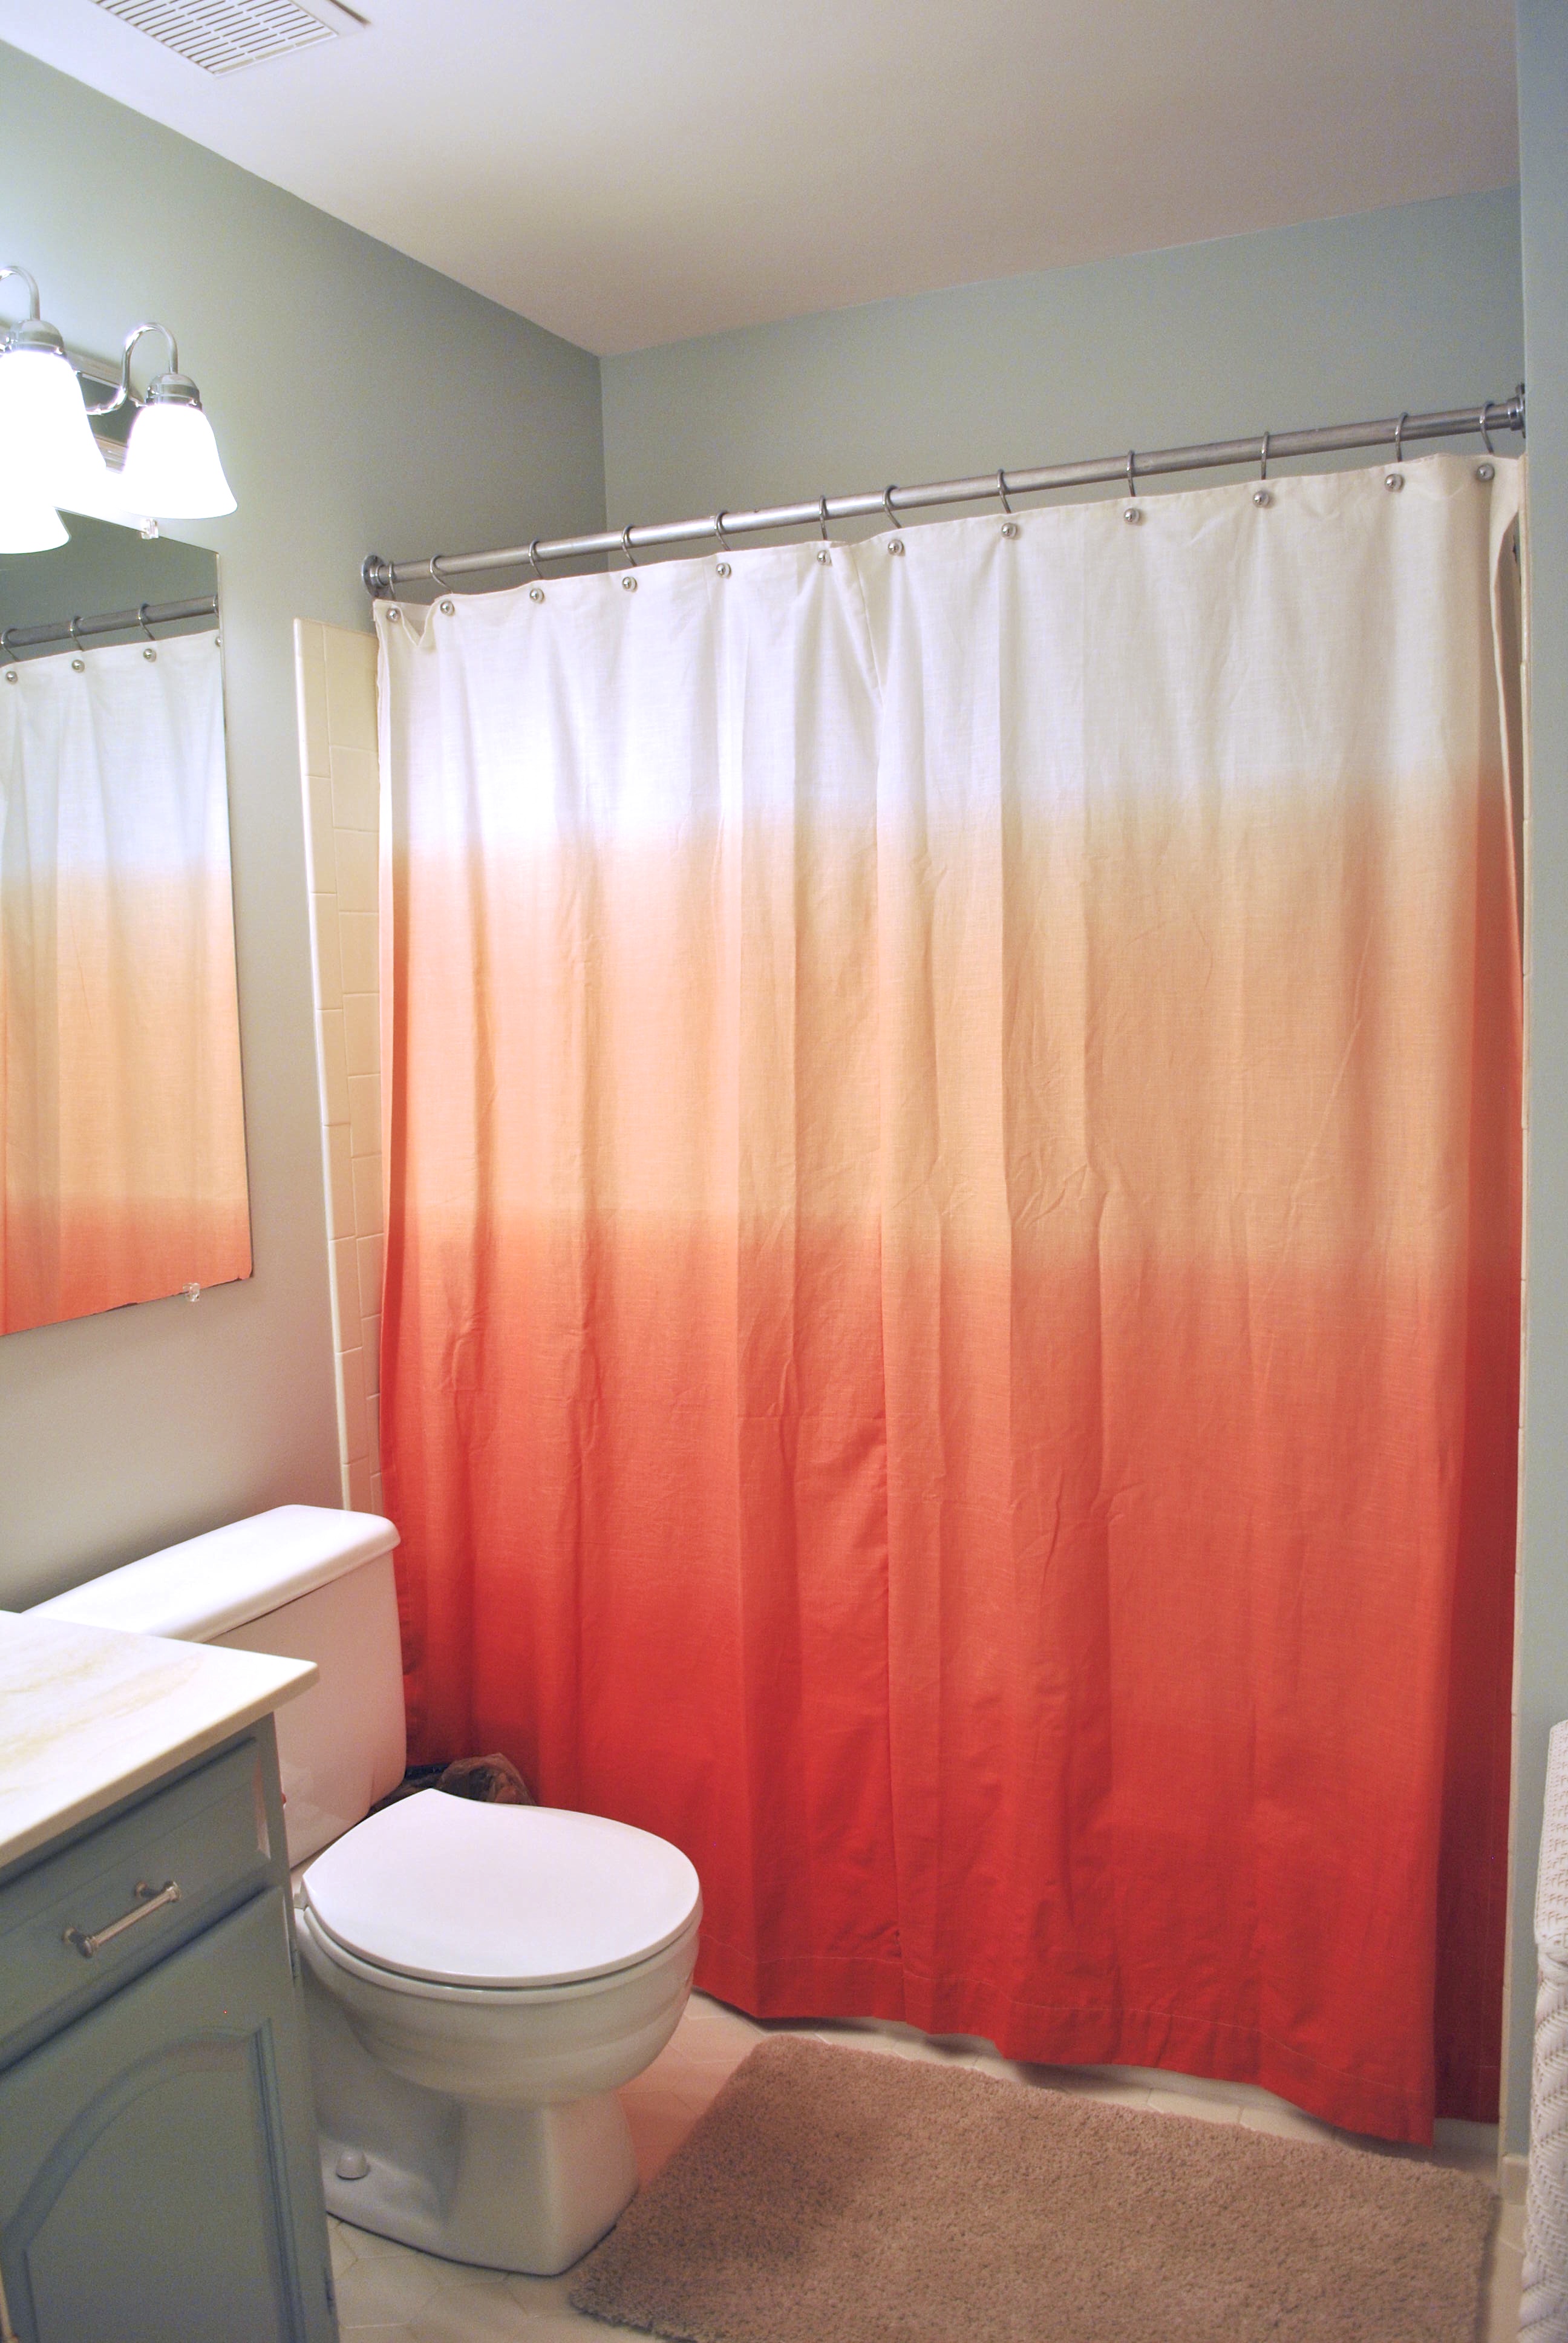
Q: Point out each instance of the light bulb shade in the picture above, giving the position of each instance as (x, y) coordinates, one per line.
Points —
(172, 466)
(105, 499)
(46, 442)
(29, 524)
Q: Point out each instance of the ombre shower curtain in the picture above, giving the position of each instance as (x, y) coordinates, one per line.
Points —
(122, 1127)
(952, 1288)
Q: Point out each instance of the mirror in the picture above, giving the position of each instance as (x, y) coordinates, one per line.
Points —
(122, 1134)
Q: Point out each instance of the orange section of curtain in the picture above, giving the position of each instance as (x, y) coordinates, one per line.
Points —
(951, 1323)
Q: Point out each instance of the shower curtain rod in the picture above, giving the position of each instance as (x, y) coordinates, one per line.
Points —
(146, 615)
(384, 576)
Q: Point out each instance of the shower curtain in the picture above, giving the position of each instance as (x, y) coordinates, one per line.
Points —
(952, 1286)
(122, 1129)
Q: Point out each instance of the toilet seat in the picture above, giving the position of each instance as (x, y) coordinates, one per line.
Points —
(443, 1893)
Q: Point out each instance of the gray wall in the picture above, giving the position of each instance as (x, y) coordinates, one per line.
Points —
(361, 402)
(1543, 1643)
(1407, 308)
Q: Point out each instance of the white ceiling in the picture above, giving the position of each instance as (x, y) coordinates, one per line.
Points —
(635, 171)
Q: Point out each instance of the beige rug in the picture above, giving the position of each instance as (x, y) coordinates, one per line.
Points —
(849, 2197)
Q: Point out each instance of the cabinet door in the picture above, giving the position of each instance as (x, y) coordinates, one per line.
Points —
(158, 2176)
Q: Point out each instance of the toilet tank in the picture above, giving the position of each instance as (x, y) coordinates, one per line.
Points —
(308, 1583)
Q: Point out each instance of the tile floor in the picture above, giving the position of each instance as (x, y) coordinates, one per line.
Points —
(387, 2294)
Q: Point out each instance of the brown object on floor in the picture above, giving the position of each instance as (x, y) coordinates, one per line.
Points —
(493, 1780)
(850, 2196)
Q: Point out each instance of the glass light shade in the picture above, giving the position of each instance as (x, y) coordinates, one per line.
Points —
(28, 523)
(172, 466)
(105, 499)
(45, 439)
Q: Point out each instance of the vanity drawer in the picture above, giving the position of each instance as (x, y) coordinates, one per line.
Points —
(202, 1834)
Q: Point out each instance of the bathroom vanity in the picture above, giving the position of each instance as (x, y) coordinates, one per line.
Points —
(159, 2174)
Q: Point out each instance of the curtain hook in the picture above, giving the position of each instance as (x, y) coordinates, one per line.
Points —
(1482, 421)
(1002, 489)
(888, 505)
(626, 547)
(534, 560)
(142, 622)
(1399, 436)
(437, 579)
(822, 518)
(1131, 483)
(1263, 457)
(76, 634)
(719, 531)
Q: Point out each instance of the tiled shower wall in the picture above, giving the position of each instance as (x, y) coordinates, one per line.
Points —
(336, 678)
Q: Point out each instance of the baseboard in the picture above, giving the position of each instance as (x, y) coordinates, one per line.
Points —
(1513, 2177)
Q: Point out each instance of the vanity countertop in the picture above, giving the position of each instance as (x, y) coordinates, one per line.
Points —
(87, 1715)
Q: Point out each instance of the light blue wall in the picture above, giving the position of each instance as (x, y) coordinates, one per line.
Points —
(1543, 1582)
(1407, 308)
(361, 402)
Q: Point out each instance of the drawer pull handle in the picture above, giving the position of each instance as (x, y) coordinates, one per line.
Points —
(148, 1901)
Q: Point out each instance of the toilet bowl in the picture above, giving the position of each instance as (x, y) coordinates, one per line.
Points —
(479, 1980)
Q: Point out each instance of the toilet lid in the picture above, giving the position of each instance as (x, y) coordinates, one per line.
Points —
(465, 1893)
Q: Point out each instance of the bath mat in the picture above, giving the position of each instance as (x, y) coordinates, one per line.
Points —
(869, 2198)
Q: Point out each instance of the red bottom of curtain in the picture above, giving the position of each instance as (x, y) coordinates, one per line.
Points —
(1177, 1732)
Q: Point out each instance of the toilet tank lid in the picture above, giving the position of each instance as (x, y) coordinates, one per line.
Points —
(229, 1576)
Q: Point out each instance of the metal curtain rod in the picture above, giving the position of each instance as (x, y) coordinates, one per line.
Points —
(384, 576)
(146, 615)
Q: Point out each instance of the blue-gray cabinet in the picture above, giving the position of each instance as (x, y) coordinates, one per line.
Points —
(158, 2166)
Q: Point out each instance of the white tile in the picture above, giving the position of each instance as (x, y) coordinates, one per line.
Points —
(339, 1183)
(377, 1500)
(351, 1405)
(358, 935)
(358, 870)
(310, 690)
(1289, 2123)
(373, 1434)
(365, 1173)
(362, 1032)
(350, 663)
(358, 1485)
(1505, 2283)
(476, 2309)
(363, 1092)
(341, 2241)
(356, 789)
(345, 1314)
(326, 944)
(321, 860)
(332, 1068)
(1190, 2102)
(371, 1344)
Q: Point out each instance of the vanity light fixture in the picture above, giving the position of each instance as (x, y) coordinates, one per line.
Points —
(49, 456)
(172, 463)
(47, 452)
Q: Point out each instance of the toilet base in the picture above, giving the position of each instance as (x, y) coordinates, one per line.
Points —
(526, 2188)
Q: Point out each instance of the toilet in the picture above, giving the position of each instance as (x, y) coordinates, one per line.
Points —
(479, 1979)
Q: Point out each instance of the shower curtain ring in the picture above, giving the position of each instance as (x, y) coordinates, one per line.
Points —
(822, 518)
(1131, 483)
(1399, 436)
(1263, 457)
(534, 560)
(437, 579)
(718, 531)
(626, 547)
(76, 634)
(1002, 489)
(888, 505)
(1482, 421)
(142, 622)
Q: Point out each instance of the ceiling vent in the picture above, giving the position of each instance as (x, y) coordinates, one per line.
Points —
(224, 36)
